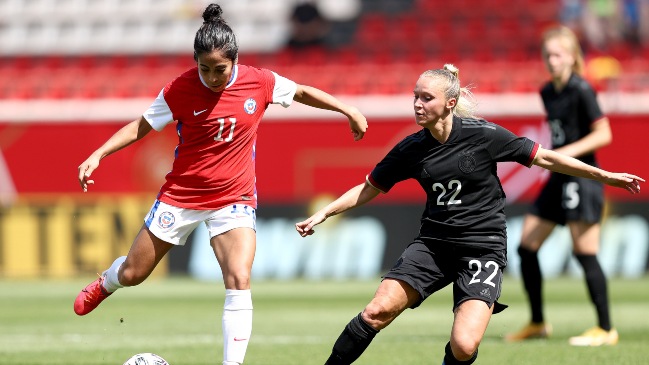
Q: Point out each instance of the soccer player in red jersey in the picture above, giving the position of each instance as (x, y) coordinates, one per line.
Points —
(217, 107)
(462, 238)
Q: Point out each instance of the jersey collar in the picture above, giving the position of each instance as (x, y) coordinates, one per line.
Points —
(455, 130)
(233, 77)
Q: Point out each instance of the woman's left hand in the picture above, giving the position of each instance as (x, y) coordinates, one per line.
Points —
(357, 123)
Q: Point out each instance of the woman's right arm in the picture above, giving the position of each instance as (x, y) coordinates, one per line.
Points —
(599, 136)
(354, 197)
(128, 134)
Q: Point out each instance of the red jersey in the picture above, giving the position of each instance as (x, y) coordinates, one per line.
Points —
(214, 163)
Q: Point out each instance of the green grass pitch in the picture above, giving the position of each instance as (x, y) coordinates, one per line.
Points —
(296, 323)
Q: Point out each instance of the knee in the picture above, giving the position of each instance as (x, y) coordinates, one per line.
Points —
(526, 251)
(242, 282)
(377, 315)
(464, 347)
(129, 276)
(237, 279)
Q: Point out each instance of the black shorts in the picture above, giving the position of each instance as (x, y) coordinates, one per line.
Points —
(430, 265)
(566, 198)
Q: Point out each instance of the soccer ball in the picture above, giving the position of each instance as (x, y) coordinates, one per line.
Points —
(146, 358)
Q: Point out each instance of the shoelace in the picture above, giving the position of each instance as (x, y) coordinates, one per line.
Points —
(95, 292)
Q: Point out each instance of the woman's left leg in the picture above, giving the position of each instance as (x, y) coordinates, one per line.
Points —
(585, 237)
(469, 325)
(586, 241)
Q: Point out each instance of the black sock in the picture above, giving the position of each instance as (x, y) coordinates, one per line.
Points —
(533, 281)
(597, 289)
(449, 359)
(351, 343)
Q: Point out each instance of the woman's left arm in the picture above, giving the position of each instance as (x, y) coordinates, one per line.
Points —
(557, 162)
(317, 98)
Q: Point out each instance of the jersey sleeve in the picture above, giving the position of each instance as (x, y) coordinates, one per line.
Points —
(589, 100)
(159, 114)
(506, 146)
(283, 91)
(389, 171)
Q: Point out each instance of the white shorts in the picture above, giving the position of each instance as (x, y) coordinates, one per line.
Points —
(172, 224)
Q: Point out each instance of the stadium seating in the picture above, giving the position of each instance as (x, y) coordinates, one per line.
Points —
(63, 49)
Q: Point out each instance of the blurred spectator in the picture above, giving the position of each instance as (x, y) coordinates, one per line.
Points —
(601, 23)
(388, 6)
(630, 21)
(308, 27)
(570, 14)
(635, 22)
(643, 29)
(342, 16)
(607, 24)
(340, 11)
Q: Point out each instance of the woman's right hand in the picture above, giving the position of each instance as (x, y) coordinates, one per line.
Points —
(128, 134)
(305, 228)
(86, 169)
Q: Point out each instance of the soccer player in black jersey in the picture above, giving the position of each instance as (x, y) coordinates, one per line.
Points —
(462, 237)
(578, 129)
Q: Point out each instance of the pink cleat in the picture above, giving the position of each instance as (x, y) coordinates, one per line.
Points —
(90, 297)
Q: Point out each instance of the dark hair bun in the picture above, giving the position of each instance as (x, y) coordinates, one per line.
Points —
(213, 13)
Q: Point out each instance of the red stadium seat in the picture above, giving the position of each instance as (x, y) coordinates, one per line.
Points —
(499, 38)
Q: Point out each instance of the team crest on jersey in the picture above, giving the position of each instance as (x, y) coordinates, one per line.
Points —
(250, 106)
(166, 220)
(467, 163)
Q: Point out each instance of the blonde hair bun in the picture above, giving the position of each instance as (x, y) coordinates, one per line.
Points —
(452, 69)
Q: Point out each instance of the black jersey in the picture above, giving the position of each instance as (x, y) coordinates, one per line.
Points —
(465, 201)
(571, 112)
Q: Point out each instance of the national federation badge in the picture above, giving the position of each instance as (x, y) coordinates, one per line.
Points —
(166, 220)
(250, 106)
(467, 162)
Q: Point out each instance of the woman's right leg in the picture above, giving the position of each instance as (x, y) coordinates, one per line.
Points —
(535, 231)
(146, 252)
(390, 300)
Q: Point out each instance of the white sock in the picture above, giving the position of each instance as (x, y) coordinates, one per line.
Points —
(237, 325)
(111, 281)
